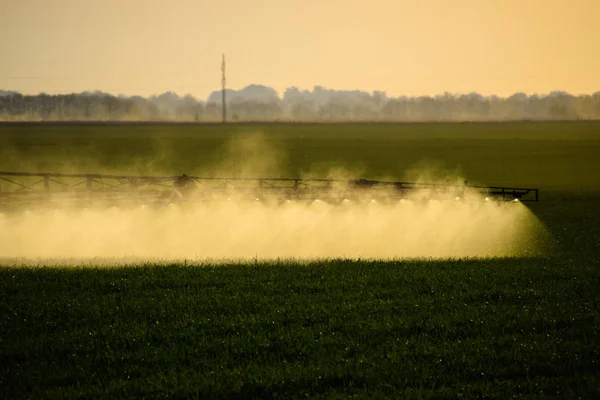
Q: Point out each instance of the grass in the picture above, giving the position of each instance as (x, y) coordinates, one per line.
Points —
(492, 328)
(474, 328)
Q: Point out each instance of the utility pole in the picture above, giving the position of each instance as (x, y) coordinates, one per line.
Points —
(223, 92)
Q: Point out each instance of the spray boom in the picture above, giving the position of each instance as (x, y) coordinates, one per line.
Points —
(40, 186)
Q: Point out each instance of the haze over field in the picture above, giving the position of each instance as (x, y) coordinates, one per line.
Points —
(233, 227)
(247, 230)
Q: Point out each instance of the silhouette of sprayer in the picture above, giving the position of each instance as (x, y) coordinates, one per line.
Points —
(32, 187)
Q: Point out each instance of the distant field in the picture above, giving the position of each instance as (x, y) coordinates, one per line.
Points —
(494, 328)
(546, 155)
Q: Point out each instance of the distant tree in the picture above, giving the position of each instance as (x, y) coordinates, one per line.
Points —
(395, 110)
(257, 102)
(334, 111)
(302, 111)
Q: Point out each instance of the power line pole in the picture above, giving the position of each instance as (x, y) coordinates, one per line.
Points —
(223, 92)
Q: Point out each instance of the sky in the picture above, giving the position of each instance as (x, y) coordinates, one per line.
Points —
(412, 48)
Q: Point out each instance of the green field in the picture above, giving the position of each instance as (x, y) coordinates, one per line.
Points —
(559, 155)
(493, 328)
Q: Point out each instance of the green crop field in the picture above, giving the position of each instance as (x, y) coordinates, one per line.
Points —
(545, 155)
(496, 328)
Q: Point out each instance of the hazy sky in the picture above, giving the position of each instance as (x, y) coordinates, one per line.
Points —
(404, 47)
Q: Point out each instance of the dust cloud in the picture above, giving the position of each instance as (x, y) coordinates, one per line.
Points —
(243, 228)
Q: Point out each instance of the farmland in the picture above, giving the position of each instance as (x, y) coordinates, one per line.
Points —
(495, 327)
(559, 155)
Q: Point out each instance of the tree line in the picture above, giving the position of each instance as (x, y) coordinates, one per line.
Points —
(260, 103)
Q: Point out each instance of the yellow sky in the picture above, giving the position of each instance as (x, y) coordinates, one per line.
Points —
(417, 47)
